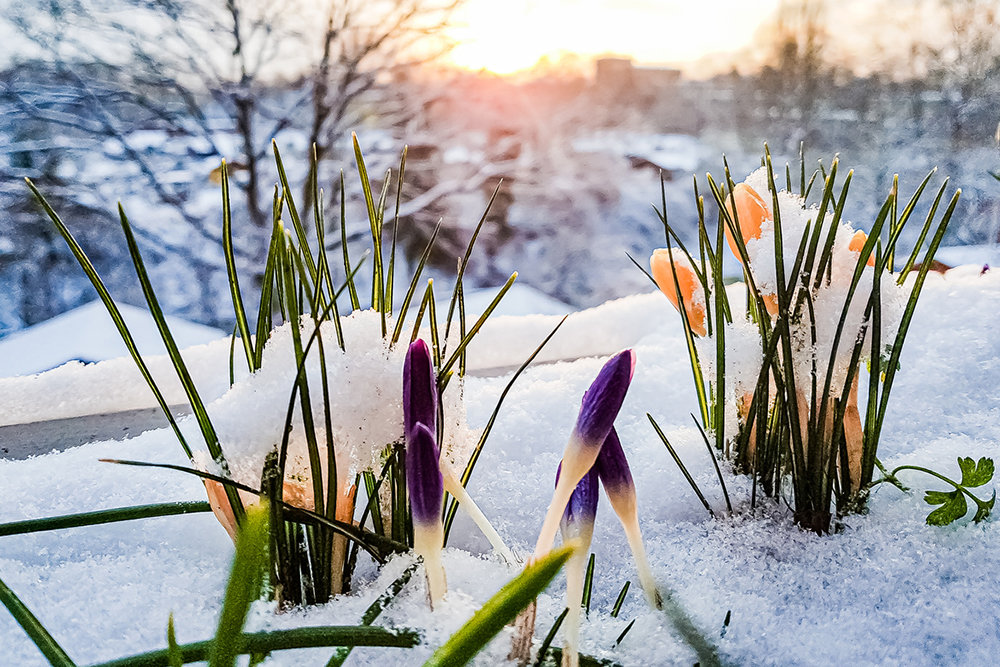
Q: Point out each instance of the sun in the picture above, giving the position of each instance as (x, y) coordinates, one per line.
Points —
(501, 37)
(511, 36)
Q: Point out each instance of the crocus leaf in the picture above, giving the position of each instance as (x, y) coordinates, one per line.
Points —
(953, 508)
(500, 610)
(976, 474)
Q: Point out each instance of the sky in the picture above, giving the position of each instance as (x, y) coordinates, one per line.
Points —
(504, 37)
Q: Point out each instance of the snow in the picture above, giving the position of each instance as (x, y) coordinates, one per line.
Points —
(88, 334)
(885, 589)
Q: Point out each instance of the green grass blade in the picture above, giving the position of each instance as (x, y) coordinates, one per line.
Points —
(928, 223)
(371, 488)
(476, 327)
(319, 219)
(699, 378)
(465, 259)
(414, 283)
(680, 464)
(588, 583)
(352, 288)
(245, 581)
(301, 382)
(197, 405)
(391, 274)
(376, 545)
(113, 311)
(102, 516)
(462, 331)
(543, 650)
(264, 308)
(620, 600)
(293, 213)
(34, 629)
(715, 462)
(499, 610)
(279, 640)
(374, 610)
(911, 304)
(234, 284)
(478, 449)
(374, 224)
(174, 654)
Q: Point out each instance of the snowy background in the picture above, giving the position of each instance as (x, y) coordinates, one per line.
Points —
(884, 589)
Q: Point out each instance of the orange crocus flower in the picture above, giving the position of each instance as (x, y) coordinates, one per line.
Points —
(664, 271)
(857, 244)
(751, 211)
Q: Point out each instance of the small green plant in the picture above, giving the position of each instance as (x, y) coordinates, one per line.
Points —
(953, 504)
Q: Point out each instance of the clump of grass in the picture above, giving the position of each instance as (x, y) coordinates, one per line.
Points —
(314, 544)
(817, 312)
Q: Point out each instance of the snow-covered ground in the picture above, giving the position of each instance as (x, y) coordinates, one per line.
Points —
(884, 590)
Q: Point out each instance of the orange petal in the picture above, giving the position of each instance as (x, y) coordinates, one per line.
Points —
(751, 212)
(857, 244)
(663, 273)
(219, 502)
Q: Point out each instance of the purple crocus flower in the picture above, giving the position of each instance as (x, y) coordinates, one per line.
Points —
(578, 519)
(577, 524)
(420, 397)
(603, 400)
(426, 477)
(423, 476)
(613, 470)
(600, 407)
(423, 472)
(425, 484)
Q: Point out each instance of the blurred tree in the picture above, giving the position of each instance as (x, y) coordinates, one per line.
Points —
(141, 99)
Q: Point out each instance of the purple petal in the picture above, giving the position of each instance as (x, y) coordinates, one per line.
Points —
(420, 398)
(582, 506)
(604, 399)
(612, 467)
(423, 475)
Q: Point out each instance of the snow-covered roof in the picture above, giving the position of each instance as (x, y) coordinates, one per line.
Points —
(88, 334)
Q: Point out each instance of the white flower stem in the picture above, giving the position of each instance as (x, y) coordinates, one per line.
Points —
(453, 486)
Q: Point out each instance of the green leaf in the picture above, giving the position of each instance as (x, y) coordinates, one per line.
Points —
(174, 654)
(953, 508)
(256, 643)
(499, 610)
(102, 516)
(35, 630)
(983, 509)
(976, 474)
(244, 586)
(939, 497)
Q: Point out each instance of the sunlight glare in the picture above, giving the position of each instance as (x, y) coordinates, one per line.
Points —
(506, 37)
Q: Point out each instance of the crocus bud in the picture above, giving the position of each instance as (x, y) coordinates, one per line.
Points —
(420, 406)
(612, 468)
(600, 406)
(577, 521)
(420, 397)
(423, 479)
(577, 524)
(692, 293)
(750, 212)
(857, 244)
